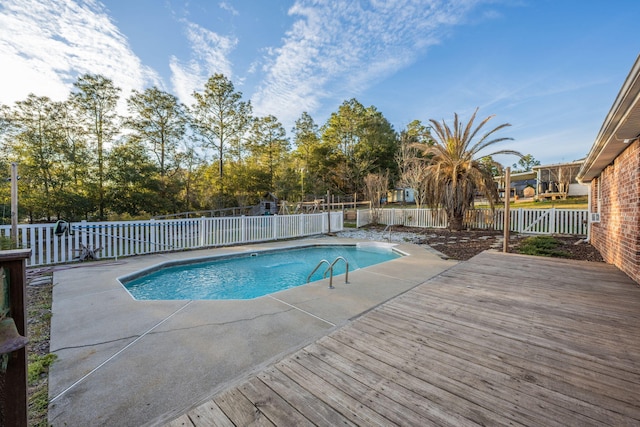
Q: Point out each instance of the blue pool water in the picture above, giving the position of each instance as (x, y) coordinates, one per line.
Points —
(250, 276)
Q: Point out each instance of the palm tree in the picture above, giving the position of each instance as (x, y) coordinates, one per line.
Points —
(454, 173)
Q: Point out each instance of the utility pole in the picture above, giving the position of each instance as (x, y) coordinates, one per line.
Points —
(14, 204)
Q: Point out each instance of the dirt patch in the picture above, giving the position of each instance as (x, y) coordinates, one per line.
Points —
(463, 245)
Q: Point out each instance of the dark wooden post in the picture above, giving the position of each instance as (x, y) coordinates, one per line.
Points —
(13, 391)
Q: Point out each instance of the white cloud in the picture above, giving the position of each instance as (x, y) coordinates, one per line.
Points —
(338, 49)
(44, 46)
(226, 6)
(209, 55)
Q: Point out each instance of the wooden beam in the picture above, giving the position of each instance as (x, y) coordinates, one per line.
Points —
(13, 395)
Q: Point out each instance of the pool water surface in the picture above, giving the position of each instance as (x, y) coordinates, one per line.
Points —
(251, 275)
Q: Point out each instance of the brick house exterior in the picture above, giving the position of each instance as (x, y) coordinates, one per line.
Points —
(612, 171)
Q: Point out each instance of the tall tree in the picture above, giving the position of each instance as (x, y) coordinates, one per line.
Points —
(77, 161)
(525, 164)
(133, 179)
(418, 133)
(190, 162)
(454, 174)
(362, 141)
(38, 144)
(159, 121)
(220, 118)
(378, 142)
(269, 145)
(342, 134)
(95, 99)
(310, 161)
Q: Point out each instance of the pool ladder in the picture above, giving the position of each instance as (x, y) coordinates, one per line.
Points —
(330, 270)
(388, 227)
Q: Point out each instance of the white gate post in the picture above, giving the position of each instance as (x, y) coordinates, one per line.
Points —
(274, 226)
(153, 239)
(243, 229)
(520, 220)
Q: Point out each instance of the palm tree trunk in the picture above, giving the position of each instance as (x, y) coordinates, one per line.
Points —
(455, 222)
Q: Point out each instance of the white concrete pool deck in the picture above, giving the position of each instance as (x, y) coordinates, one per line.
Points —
(129, 363)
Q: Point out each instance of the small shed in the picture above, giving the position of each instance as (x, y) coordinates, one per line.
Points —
(268, 205)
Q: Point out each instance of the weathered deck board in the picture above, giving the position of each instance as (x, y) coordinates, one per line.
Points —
(497, 340)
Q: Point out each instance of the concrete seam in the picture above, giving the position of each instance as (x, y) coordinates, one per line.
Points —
(118, 353)
(299, 309)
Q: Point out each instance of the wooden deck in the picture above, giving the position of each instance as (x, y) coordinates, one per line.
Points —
(497, 340)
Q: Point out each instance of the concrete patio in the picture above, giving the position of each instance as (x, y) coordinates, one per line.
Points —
(126, 362)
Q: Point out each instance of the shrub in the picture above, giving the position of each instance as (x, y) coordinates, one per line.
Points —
(541, 246)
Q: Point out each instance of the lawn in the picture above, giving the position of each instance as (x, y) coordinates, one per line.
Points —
(580, 202)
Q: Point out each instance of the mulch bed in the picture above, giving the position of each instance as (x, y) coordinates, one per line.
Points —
(463, 245)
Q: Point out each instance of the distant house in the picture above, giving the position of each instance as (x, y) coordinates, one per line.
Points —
(559, 178)
(401, 195)
(519, 182)
(548, 181)
(612, 171)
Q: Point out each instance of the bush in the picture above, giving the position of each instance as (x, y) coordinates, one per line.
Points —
(541, 246)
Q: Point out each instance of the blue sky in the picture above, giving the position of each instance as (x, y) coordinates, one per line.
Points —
(551, 68)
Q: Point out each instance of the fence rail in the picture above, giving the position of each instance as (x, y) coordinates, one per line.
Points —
(126, 238)
(532, 221)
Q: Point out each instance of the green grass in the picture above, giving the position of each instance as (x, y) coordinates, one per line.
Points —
(39, 407)
(541, 246)
(38, 330)
(581, 202)
(39, 366)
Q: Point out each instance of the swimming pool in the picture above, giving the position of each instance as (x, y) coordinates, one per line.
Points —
(250, 275)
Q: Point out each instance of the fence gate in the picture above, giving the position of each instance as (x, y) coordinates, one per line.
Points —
(539, 221)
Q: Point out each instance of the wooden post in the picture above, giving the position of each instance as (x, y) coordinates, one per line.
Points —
(507, 214)
(14, 204)
(13, 394)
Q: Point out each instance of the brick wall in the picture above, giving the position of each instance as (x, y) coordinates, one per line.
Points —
(617, 236)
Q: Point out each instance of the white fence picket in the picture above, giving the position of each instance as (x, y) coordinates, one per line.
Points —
(531, 221)
(126, 238)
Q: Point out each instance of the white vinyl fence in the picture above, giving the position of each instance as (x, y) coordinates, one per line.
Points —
(126, 238)
(530, 221)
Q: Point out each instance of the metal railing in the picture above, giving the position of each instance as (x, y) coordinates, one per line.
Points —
(330, 270)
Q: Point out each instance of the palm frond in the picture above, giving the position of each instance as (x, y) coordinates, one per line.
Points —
(452, 174)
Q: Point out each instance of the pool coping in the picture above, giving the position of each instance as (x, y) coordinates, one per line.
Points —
(124, 361)
(223, 257)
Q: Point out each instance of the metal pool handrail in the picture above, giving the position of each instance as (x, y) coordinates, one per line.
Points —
(317, 267)
(330, 269)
